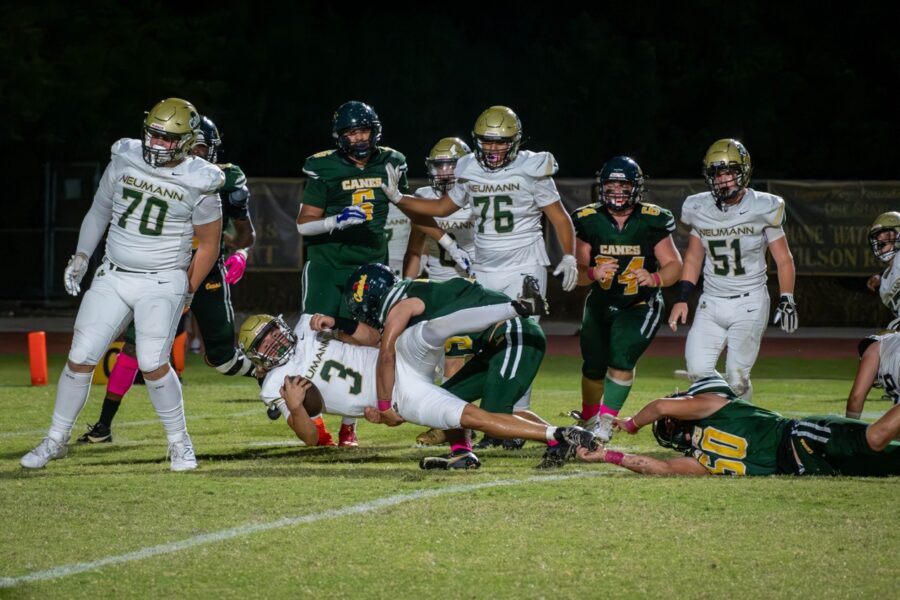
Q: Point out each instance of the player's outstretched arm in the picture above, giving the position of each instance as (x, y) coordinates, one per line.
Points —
(645, 465)
(688, 408)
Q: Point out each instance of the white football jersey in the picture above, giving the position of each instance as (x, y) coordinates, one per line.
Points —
(889, 365)
(735, 239)
(889, 290)
(343, 373)
(506, 205)
(461, 226)
(152, 211)
(397, 229)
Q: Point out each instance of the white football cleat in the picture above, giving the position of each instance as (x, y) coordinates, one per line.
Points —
(604, 428)
(182, 455)
(43, 453)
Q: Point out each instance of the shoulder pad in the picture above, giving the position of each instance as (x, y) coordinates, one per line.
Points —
(539, 164)
(585, 211)
(323, 153)
(124, 145)
(658, 216)
(392, 156)
(317, 163)
(206, 177)
(234, 177)
(771, 207)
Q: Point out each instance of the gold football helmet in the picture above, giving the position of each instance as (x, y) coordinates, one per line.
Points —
(168, 133)
(498, 125)
(884, 234)
(261, 349)
(442, 160)
(729, 155)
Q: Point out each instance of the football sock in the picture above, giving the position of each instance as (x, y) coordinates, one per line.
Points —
(591, 397)
(71, 394)
(479, 318)
(348, 421)
(121, 378)
(465, 447)
(165, 395)
(550, 434)
(108, 412)
(615, 392)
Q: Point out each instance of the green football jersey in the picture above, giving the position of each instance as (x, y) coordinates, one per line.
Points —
(441, 298)
(235, 204)
(336, 183)
(632, 246)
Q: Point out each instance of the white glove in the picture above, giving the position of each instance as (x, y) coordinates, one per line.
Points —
(74, 273)
(459, 256)
(391, 189)
(568, 266)
(786, 313)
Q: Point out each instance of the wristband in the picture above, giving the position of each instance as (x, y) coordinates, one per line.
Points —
(657, 279)
(346, 325)
(629, 426)
(685, 288)
(384, 405)
(591, 273)
(613, 457)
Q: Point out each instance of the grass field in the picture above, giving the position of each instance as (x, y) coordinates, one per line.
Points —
(264, 517)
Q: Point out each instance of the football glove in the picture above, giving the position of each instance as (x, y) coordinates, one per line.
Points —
(74, 273)
(786, 313)
(459, 256)
(391, 189)
(351, 215)
(568, 267)
(235, 265)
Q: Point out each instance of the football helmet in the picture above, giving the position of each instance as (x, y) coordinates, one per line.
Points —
(622, 169)
(355, 115)
(442, 161)
(365, 291)
(168, 133)
(497, 125)
(673, 433)
(208, 135)
(263, 350)
(730, 155)
(884, 234)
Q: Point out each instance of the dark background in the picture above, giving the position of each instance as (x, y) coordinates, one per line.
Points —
(806, 86)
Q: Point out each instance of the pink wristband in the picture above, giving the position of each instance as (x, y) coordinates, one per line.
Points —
(384, 405)
(591, 273)
(657, 279)
(629, 426)
(614, 457)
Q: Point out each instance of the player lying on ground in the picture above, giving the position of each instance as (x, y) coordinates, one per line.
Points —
(720, 434)
(879, 364)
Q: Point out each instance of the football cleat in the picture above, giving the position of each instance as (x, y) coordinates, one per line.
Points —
(43, 453)
(492, 442)
(347, 436)
(431, 437)
(182, 455)
(530, 302)
(556, 456)
(458, 459)
(576, 437)
(600, 425)
(98, 433)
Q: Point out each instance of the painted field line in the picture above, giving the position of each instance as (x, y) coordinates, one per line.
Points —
(250, 529)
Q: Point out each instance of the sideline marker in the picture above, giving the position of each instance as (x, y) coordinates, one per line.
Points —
(37, 357)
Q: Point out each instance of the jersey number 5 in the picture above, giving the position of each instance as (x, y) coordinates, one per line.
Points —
(722, 264)
(147, 216)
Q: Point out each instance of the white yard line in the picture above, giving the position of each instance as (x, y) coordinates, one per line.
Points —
(250, 529)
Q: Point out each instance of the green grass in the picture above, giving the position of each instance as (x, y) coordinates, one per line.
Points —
(600, 532)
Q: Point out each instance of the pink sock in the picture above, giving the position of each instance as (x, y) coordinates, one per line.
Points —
(589, 410)
(122, 376)
(552, 443)
(462, 446)
(605, 410)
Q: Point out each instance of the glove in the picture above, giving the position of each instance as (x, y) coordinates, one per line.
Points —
(188, 298)
(74, 273)
(568, 267)
(350, 216)
(391, 189)
(459, 256)
(786, 313)
(235, 265)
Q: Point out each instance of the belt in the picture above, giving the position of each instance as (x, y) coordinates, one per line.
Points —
(114, 267)
(744, 295)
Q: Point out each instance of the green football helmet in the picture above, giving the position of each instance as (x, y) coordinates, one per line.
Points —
(263, 350)
(208, 135)
(673, 433)
(498, 124)
(169, 131)
(355, 115)
(884, 234)
(727, 154)
(442, 160)
(366, 290)
(622, 169)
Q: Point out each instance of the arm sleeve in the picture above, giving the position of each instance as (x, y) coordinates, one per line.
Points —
(98, 217)
(773, 233)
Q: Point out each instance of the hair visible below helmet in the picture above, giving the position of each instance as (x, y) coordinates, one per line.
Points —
(885, 222)
(442, 160)
(355, 115)
(673, 433)
(727, 154)
(623, 169)
(497, 124)
(365, 291)
(173, 120)
(208, 135)
(253, 332)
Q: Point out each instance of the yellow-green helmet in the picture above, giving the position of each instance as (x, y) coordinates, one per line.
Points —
(884, 245)
(731, 155)
(253, 332)
(442, 160)
(168, 132)
(497, 124)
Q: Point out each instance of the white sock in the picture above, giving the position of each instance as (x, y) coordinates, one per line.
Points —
(71, 395)
(348, 421)
(549, 433)
(165, 394)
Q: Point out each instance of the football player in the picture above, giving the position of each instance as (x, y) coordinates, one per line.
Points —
(344, 214)
(883, 239)
(720, 434)
(732, 225)
(626, 254)
(212, 301)
(152, 198)
(879, 364)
